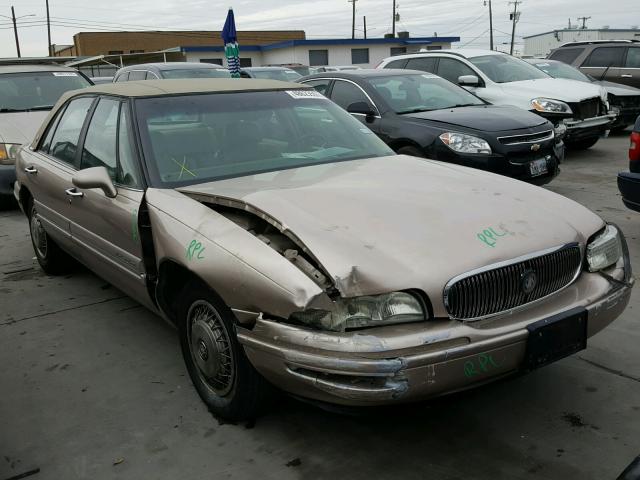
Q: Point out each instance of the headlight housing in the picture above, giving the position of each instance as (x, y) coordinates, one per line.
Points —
(605, 249)
(8, 152)
(547, 105)
(462, 143)
(362, 312)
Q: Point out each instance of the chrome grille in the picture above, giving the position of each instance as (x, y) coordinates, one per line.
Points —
(490, 291)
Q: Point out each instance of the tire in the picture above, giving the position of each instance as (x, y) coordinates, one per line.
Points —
(52, 259)
(582, 144)
(219, 369)
(409, 150)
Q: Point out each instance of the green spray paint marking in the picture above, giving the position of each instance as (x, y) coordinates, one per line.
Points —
(490, 237)
(134, 225)
(483, 363)
(195, 249)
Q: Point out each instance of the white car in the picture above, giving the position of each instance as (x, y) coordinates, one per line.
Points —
(580, 108)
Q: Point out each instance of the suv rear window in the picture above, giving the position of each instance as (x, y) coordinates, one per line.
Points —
(566, 55)
(605, 57)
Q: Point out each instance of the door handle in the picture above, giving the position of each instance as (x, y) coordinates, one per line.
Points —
(73, 192)
(31, 170)
(626, 75)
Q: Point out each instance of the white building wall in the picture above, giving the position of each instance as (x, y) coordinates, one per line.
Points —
(541, 45)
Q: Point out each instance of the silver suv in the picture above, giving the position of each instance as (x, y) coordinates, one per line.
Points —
(615, 60)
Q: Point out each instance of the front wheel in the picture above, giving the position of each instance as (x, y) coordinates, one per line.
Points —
(219, 369)
(582, 144)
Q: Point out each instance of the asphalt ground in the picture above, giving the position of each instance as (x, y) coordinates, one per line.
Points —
(93, 386)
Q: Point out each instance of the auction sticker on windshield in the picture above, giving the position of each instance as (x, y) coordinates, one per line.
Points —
(305, 94)
(65, 74)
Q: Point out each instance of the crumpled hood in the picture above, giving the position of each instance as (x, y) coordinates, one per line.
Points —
(399, 222)
(555, 88)
(618, 88)
(488, 118)
(20, 127)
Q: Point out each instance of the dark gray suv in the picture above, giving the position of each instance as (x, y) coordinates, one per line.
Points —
(614, 60)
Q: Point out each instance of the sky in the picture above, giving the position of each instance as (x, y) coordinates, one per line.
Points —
(468, 19)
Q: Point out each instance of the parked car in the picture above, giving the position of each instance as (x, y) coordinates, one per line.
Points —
(170, 70)
(99, 80)
(622, 98)
(579, 108)
(27, 93)
(427, 116)
(612, 60)
(270, 73)
(629, 182)
(290, 246)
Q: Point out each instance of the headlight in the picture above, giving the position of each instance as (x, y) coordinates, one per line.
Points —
(605, 249)
(546, 105)
(360, 312)
(459, 142)
(8, 152)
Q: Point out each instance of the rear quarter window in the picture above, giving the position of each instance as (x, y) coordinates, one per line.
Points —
(566, 55)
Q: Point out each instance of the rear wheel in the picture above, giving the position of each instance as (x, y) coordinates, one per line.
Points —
(582, 144)
(219, 369)
(409, 150)
(52, 259)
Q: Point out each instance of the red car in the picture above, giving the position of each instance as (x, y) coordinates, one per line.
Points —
(629, 182)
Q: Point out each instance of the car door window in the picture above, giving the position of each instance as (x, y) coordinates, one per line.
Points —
(64, 144)
(123, 77)
(345, 93)
(99, 149)
(427, 64)
(397, 63)
(320, 85)
(566, 55)
(127, 173)
(137, 75)
(633, 58)
(605, 57)
(46, 143)
(451, 69)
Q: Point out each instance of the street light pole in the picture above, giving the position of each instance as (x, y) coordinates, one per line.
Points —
(15, 30)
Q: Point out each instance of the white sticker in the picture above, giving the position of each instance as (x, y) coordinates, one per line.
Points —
(305, 94)
(65, 74)
(430, 76)
(542, 65)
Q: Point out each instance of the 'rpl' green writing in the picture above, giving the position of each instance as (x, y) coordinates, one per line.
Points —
(195, 250)
(483, 363)
(490, 236)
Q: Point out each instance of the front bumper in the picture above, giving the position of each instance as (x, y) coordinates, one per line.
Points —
(7, 179)
(412, 362)
(588, 128)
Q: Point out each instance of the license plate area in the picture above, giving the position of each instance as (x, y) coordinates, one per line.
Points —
(538, 167)
(556, 337)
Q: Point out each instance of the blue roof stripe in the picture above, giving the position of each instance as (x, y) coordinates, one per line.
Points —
(328, 41)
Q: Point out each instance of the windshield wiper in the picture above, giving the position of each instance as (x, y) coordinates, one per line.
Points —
(605, 71)
(415, 110)
(30, 109)
(466, 105)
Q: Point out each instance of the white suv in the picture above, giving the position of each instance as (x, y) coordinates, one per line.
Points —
(580, 108)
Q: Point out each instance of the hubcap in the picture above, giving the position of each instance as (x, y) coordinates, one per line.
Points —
(38, 235)
(210, 347)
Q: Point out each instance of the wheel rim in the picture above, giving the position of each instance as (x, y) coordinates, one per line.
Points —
(38, 235)
(210, 347)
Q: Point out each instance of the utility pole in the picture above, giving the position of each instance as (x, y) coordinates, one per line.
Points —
(514, 17)
(353, 18)
(364, 19)
(490, 23)
(393, 22)
(584, 21)
(48, 31)
(15, 30)
(570, 24)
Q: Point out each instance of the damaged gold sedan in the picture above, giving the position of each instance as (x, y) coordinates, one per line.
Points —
(291, 247)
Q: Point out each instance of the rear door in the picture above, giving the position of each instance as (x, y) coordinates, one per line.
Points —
(105, 229)
(604, 63)
(50, 168)
(630, 71)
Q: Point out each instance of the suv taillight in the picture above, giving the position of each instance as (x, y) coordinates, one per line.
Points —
(634, 147)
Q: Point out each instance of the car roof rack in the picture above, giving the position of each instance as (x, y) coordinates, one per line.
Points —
(592, 42)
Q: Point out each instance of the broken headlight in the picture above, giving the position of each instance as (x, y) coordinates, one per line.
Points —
(604, 250)
(364, 312)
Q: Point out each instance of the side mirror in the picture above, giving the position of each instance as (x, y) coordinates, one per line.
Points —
(95, 177)
(362, 108)
(468, 81)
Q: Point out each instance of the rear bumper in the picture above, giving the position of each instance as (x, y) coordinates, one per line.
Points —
(7, 178)
(411, 362)
(629, 186)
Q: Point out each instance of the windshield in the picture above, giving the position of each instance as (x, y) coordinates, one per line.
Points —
(505, 69)
(284, 75)
(21, 92)
(419, 93)
(196, 73)
(562, 70)
(192, 139)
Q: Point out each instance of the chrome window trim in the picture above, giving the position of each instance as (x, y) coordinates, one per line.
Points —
(506, 263)
(550, 136)
(353, 83)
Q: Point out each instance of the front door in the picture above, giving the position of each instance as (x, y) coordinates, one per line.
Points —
(105, 230)
(346, 93)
